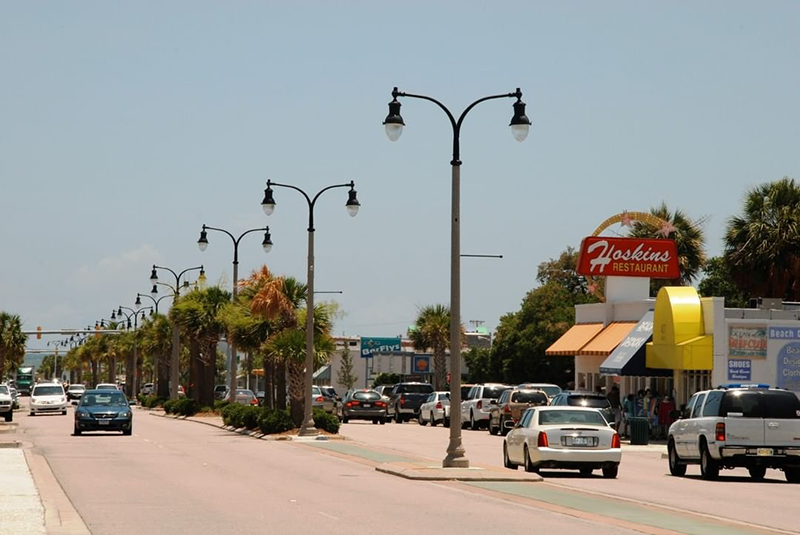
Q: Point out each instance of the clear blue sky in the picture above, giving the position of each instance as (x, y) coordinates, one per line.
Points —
(126, 126)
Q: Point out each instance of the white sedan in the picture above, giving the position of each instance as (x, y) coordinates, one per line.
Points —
(435, 409)
(563, 437)
(48, 397)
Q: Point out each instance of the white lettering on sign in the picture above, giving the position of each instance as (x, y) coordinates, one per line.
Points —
(610, 252)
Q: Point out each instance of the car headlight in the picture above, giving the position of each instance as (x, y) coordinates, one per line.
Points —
(127, 414)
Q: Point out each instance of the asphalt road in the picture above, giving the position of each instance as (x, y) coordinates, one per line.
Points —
(175, 477)
(643, 476)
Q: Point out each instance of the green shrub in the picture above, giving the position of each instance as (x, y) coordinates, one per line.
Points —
(326, 422)
(151, 402)
(250, 416)
(221, 404)
(274, 421)
(182, 406)
(232, 415)
(169, 405)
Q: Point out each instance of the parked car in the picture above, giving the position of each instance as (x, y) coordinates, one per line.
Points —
(550, 389)
(148, 389)
(103, 410)
(752, 427)
(6, 403)
(385, 391)
(574, 438)
(406, 399)
(106, 386)
(48, 397)
(475, 408)
(221, 392)
(321, 401)
(330, 393)
(435, 409)
(364, 405)
(245, 397)
(509, 408)
(261, 396)
(585, 399)
(14, 396)
(75, 392)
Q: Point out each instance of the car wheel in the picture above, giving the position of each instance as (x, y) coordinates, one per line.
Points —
(676, 467)
(506, 461)
(446, 422)
(374, 421)
(472, 423)
(383, 420)
(610, 471)
(586, 471)
(64, 412)
(757, 473)
(397, 418)
(77, 432)
(792, 475)
(9, 416)
(492, 429)
(503, 429)
(345, 419)
(32, 413)
(422, 421)
(709, 469)
(433, 420)
(529, 467)
(127, 432)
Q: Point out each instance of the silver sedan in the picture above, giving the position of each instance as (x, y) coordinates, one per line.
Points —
(563, 437)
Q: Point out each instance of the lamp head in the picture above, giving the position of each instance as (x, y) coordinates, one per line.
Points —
(267, 243)
(153, 276)
(520, 124)
(202, 243)
(352, 202)
(138, 303)
(119, 312)
(394, 121)
(268, 204)
(202, 278)
(113, 315)
(154, 290)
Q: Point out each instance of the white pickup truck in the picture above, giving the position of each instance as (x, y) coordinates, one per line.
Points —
(751, 427)
(477, 405)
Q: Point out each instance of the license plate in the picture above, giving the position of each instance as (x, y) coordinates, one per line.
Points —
(764, 452)
(367, 405)
(103, 422)
(582, 441)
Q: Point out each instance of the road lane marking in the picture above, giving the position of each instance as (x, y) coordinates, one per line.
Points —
(327, 515)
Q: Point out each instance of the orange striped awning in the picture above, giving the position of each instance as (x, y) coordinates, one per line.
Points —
(574, 339)
(607, 341)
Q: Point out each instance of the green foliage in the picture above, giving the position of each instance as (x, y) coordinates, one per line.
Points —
(249, 416)
(274, 421)
(221, 404)
(12, 343)
(564, 272)
(326, 422)
(233, 414)
(345, 374)
(181, 407)
(762, 245)
(432, 331)
(151, 402)
(479, 362)
(718, 282)
(386, 379)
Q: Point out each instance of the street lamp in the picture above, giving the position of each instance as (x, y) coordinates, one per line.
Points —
(352, 205)
(176, 339)
(130, 382)
(202, 244)
(138, 303)
(520, 125)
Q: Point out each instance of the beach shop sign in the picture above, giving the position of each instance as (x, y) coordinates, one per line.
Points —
(628, 257)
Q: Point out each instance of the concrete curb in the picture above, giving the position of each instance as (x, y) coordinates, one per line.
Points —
(60, 517)
(437, 473)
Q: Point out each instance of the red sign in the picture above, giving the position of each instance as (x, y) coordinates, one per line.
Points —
(628, 257)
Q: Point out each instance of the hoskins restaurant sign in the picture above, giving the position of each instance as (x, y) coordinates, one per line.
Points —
(628, 257)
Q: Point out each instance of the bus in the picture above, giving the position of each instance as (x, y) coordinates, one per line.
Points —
(25, 380)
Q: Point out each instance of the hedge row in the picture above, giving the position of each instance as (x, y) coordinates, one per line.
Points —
(271, 421)
(181, 406)
(151, 402)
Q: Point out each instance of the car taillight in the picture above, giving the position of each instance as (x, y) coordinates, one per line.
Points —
(542, 441)
(402, 400)
(254, 402)
(507, 409)
(320, 399)
(479, 404)
(355, 403)
(615, 443)
(720, 432)
(380, 404)
(439, 405)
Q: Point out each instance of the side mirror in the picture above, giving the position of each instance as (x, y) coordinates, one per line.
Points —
(675, 415)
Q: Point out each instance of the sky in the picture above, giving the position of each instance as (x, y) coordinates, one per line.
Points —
(126, 126)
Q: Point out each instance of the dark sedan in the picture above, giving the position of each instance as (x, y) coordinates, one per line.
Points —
(364, 405)
(103, 410)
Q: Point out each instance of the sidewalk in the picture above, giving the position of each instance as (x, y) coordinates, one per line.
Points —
(21, 510)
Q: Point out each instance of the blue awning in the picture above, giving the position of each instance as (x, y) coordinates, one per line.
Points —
(628, 359)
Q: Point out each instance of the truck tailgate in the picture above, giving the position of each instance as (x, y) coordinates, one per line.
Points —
(744, 431)
(782, 432)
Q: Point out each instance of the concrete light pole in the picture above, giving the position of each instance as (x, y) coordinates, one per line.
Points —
(268, 204)
(520, 124)
(202, 244)
(131, 384)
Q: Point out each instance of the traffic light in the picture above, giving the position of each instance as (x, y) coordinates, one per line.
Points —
(39, 332)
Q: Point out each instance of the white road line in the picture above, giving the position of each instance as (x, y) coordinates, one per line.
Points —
(329, 516)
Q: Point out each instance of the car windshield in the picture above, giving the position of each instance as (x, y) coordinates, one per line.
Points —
(3, 389)
(53, 390)
(755, 404)
(528, 397)
(444, 395)
(493, 392)
(244, 392)
(588, 401)
(103, 399)
(76, 387)
(366, 396)
(571, 417)
(415, 389)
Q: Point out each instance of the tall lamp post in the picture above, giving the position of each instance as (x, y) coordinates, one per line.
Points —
(131, 384)
(202, 244)
(268, 204)
(520, 124)
(176, 337)
(138, 305)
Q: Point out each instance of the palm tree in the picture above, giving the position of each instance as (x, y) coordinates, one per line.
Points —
(12, 342)
(431, 331)
(156, 344)
(198, 316)
(762, 246)
(689, 238)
